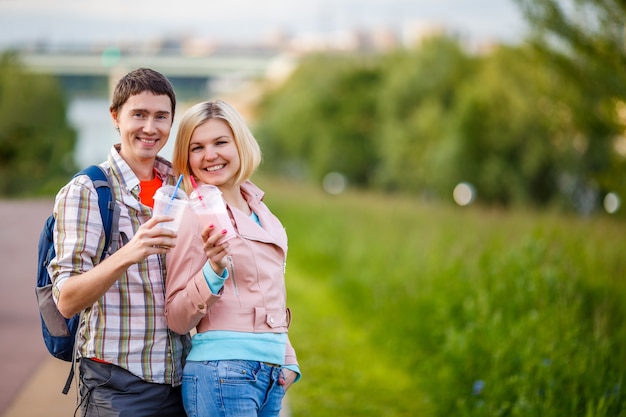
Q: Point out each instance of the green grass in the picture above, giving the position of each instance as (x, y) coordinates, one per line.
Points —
(407, 308)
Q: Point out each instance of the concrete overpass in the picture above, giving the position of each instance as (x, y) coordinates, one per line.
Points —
(216, 71)
(249, 65)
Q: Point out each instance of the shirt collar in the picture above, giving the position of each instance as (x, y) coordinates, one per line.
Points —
(128, 179)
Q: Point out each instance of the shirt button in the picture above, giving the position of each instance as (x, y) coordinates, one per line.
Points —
(272, 320)
(200, 306)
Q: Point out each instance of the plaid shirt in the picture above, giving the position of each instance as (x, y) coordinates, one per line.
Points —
(127, 325)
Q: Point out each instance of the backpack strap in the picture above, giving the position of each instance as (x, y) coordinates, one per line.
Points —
(110, 214)
(70, 377)
(109, 211)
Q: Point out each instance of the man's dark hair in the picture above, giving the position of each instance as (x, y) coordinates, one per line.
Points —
(138, 81)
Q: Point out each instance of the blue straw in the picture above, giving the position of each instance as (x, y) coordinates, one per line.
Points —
(180, 179)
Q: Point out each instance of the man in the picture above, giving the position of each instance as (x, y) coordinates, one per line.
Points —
(130, 362)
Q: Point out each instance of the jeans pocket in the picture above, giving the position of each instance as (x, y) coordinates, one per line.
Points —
(190, 393)
(238, 372)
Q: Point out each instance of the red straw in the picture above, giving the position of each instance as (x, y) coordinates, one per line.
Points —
(195, 187)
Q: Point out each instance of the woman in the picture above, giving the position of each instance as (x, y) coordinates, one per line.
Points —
(241, 361)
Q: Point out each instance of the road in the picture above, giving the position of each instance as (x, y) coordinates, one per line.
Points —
(32, 379)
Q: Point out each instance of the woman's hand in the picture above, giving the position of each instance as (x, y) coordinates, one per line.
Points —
(286, 378)
(215, 253)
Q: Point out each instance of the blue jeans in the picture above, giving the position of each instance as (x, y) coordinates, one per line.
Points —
(231, 389)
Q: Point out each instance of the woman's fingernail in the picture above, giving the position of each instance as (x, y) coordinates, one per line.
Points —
(211, 226)
(224, 231)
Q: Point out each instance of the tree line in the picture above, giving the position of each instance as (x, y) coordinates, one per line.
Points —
(540, 123)
(524, 124)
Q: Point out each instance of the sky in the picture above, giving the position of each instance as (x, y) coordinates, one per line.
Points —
(87, 21)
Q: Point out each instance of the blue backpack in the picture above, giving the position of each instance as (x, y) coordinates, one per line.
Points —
(59, 333)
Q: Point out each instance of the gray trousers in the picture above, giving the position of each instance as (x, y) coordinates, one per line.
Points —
(110, 391)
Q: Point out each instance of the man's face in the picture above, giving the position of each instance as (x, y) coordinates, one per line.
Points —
(144, 123)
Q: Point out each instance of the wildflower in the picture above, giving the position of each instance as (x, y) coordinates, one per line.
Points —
(478, 386)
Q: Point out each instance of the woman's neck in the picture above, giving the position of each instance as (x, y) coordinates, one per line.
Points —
(234, 198)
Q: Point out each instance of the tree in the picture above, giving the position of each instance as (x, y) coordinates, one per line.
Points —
(322, 120)
(585, 37)
(502, 125)
(419, 88)
(585, 41)
(36, 141)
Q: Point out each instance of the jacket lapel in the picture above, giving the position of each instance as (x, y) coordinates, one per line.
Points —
(272, 231)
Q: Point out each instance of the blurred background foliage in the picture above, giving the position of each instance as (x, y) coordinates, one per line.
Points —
(541, 123)
(36, 140)
(520, 128)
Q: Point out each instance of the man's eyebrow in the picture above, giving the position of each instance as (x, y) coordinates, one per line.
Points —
(148, 111)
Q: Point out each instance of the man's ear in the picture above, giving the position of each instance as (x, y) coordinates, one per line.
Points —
(114, 118)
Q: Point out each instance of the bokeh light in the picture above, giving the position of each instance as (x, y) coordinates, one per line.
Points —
(611, 202)
(464, 194)
(334, 183)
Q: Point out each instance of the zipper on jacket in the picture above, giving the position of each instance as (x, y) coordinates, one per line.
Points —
(232, 273)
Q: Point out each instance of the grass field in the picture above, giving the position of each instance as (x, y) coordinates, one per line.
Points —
(408, 308)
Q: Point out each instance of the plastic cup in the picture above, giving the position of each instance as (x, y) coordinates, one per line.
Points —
(207, 202)
(165, 205)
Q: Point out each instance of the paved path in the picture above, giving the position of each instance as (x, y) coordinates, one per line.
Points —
(31, 380)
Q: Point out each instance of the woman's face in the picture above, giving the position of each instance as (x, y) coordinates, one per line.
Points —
(213, 156)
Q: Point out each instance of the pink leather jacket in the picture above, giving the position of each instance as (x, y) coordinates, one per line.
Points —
(253, 298)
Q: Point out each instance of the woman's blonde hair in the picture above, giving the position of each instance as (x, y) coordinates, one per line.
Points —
(247, 146)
